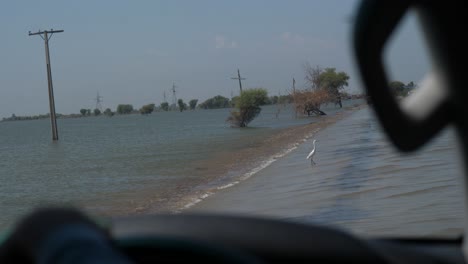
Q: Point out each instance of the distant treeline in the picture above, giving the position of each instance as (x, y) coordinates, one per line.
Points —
(215, 102)
(223, 102)
(13, 117)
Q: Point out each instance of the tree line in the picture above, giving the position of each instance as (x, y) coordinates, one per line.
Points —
(323, 86)
(215, 102)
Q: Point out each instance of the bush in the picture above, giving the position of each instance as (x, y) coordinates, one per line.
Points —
(124, 109)
(215, 102)
(147, 109)
(309, 102)
(182, 105)
(108, 112)
(248, 107)
(165, 106)
(193, 103)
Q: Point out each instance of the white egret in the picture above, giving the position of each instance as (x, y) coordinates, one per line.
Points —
(312, 154)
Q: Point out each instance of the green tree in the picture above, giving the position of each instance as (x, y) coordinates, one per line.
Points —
(398, 88)
(97, 112)
(193, 103)
(83, 111)
(88, 112)
(147, 109)
(333, 82)
(165, 106)
(123, 109)
(215, 103)
(182, 105)
(248, 107)
(108, 112)
(325, 79)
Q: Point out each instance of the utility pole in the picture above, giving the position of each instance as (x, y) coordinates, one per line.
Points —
(174, 98)
(294, 86)
(240, 80)
(98, 102)
(46, 39)
(294, 97)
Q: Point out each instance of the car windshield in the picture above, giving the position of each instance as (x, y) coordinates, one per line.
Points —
(127, 108)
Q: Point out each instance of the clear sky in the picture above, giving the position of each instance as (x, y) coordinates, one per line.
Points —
(132, 51)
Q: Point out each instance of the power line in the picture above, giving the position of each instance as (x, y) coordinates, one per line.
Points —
(46, 37)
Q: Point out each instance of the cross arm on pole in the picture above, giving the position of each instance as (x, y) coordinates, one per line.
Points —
(36, 33)
(54, 31)
(39, 32)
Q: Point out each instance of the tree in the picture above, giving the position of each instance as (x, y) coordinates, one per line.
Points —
(83, 111)
(124, 109)
(313, 76)
(182, 105)
(97, 112)
(398, 88)
(147, 109)
(248, 107)
(165, 106)
(88, 112)
(309, 101)
(193, 103)
(324, 84)
(215, 102)
(108, 112)
(333, 82)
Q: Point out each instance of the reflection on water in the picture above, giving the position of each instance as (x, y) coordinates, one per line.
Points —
(360, 183)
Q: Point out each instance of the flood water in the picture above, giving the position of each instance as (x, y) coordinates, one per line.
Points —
(125, 164)
(187, 161)
(359, 183)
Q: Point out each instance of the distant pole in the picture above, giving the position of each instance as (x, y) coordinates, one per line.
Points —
(46, 39)
(294, 97)
(240, 80)
(174, 98)
(294, 86)
(98, 102)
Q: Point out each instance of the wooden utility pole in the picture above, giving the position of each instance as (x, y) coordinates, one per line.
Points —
(240, 80)
(46, 37)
